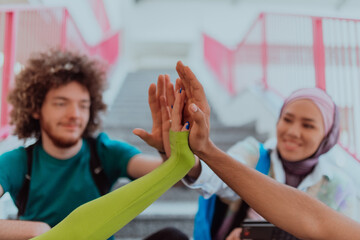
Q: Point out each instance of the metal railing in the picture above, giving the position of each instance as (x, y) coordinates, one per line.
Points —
(26, 29)
(285, 52)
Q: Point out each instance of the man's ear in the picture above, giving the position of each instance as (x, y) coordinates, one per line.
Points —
(36, 115)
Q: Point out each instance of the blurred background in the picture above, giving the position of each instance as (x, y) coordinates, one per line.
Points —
(248, 54)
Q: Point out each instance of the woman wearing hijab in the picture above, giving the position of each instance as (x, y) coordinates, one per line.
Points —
(308, 127)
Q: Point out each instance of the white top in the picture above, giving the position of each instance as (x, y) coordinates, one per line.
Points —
(326, 183)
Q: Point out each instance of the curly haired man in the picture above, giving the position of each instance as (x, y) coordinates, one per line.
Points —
(57, 99)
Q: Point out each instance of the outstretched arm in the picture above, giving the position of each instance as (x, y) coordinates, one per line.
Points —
(101, 218)
(21, 230)
(284, 206)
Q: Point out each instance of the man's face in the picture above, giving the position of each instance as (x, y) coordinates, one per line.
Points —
(64, 114)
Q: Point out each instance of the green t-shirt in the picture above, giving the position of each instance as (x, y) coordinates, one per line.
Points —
(59, 186)
(101, 218)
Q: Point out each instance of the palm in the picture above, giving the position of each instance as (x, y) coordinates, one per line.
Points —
(155, 138)
(195, 94)
(194, 91)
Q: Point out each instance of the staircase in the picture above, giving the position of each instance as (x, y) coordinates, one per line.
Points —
(177, 207)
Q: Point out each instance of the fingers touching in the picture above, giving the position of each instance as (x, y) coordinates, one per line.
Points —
(176, 115)
(194, 90)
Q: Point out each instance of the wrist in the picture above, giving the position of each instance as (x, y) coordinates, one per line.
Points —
(194, 173)
(207, 151)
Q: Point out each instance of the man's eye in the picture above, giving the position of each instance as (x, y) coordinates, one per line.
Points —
(59, 104)
(85, 106)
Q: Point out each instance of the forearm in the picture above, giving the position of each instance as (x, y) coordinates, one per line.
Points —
(21, 230)
(194, 173)
(208, 183)
(288, 208)
(142, 164)
(101, 218)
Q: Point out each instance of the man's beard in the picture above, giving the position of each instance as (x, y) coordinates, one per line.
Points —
(59, 141)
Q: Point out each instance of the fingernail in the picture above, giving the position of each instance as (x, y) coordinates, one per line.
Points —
(187, 125)
(193, 107)
(180, 90)
(171, 106)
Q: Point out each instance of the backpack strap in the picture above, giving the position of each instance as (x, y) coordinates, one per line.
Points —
(23, 195)
(263, 164)
(204, 217)
(96, 169)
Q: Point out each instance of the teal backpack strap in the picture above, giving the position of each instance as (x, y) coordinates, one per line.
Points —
(263, 164)
(203, 218)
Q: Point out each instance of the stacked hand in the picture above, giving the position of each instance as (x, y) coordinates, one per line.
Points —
(161, 100)
(196, 111)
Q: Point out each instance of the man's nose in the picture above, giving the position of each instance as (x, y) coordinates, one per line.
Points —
(73, 110)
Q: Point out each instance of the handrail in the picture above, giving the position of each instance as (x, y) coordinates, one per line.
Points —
(50, 27)
(283, 52)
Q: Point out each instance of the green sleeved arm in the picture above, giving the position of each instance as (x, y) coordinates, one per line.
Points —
(101, 218)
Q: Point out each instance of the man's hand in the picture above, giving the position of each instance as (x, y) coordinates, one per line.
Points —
(161, 101)
(155, 138)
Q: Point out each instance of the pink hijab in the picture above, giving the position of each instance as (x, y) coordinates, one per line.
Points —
(296, 171)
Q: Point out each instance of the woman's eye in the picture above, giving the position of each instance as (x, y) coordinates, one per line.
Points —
(286, 119)
(309, 126)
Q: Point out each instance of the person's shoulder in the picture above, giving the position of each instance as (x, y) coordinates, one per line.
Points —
(105, 142)
(246, 151)
(13, 158)
(103, 138)
(249, 144)
(16, 153)
(337, 177)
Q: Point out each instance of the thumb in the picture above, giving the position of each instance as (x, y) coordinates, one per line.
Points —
(197, 115)
(141, 133)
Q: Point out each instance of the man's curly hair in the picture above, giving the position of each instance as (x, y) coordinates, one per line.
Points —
(49, 70)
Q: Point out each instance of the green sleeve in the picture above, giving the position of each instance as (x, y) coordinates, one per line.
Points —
(101, 218)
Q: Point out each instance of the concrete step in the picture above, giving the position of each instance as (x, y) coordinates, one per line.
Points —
(161, 215)
(176, 208)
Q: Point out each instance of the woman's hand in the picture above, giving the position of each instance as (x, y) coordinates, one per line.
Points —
(197, 111)
(176, 114)
(235, 234)
(194, 91)
(199, 139)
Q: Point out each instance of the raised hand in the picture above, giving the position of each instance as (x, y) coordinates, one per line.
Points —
(194, 91)
(197, 110)
(199, 138)
(155, 138)
(176, 114)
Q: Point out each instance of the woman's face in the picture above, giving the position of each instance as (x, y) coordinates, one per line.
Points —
(299, 130)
